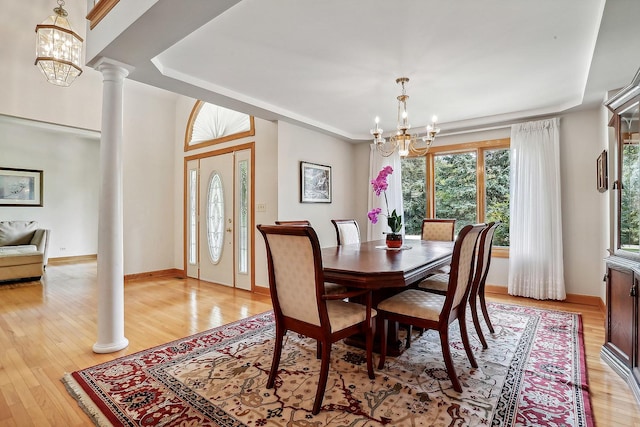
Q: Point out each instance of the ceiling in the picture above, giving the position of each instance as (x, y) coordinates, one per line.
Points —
(331, 65)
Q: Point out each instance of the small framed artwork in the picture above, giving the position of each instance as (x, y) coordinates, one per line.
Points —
(601, 168)
(20, 187)
(315, 183)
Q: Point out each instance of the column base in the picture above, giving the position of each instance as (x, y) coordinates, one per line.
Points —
(110, 348)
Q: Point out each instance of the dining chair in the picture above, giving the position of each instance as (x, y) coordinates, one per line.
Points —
(296, 285)
(330, 288)
(295, 222)
(433, 311)
(477, 288)
(438, 283)
(347, 231)
(438, 229)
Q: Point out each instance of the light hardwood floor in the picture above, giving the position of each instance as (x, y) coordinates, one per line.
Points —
(48, 329)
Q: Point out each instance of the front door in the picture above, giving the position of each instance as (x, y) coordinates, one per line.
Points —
(219, 219)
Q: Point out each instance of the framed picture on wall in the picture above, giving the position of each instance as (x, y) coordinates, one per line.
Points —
(601, 170)
(20, 187)
(315, 183)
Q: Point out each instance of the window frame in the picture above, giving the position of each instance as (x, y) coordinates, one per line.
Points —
(479, 147)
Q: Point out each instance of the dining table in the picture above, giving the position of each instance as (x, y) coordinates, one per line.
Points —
(386, 271)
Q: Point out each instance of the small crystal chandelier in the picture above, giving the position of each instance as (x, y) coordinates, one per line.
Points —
(58, 48)
(403, 140)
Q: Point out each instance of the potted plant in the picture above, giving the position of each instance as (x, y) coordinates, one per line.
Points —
(394, 221)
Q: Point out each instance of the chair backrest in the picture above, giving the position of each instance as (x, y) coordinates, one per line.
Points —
(485, 243)
(462, 267)
(296, 279)
(438, 229)
(297, 222)
(347, 231)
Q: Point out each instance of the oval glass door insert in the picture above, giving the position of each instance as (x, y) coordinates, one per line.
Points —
(215, 217)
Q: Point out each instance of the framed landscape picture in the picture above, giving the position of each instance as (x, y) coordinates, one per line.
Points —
(315, 183)
(20, 187)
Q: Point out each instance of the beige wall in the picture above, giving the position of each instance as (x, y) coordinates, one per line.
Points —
(70, 180)
(25, 91)
(296, 144)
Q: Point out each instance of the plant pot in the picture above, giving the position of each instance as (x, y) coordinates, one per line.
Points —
(394, 241)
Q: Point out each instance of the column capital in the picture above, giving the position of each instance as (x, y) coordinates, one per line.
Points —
(111, 66)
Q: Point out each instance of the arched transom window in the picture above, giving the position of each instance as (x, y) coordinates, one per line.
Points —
(211, 124)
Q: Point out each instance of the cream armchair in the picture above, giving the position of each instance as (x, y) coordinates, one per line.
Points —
(23, 250)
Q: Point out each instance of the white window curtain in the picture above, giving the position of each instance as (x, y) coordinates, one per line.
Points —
(535, 254)
(394, 192)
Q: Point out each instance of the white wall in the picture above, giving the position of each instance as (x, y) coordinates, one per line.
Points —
(70, 180)
(296, 144)
(25, 91)
(148, 177)
(583, 219)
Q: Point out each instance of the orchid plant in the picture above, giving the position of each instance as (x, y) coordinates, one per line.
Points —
(380, 186)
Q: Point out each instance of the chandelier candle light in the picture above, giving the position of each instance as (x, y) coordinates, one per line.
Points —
(394, 221)
(58, 48)
(404, 141)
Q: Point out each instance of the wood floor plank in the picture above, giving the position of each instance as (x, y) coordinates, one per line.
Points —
(49, 328)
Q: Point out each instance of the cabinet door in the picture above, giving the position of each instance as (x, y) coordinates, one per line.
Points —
(620, 314)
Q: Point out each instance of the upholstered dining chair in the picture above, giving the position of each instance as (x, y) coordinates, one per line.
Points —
(347, 231)
(296, 285)
(438, 283)
(432, 311)
(330, 288)
(294, 222)
(438, 229)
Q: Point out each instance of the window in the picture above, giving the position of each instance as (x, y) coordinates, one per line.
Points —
(629, 239)
(468, 182)
(193, 216)
(211, 124)
(243, 235)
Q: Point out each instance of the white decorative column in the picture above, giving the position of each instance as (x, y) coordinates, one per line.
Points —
(110, 229)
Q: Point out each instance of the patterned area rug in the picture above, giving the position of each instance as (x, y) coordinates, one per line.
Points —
(532, 374)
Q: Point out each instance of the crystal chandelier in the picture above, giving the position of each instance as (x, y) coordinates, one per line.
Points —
(404, 141)
(58, 48)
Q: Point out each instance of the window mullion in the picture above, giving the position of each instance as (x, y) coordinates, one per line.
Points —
(431, 186)
(480, 186)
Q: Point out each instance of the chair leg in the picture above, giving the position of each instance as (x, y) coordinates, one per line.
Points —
(409, 332)
(277, 352)
(324, 373)
(446, 354)
(318, 350)
(476, 321)
(465, 341)
(382, 326)
(485, 313)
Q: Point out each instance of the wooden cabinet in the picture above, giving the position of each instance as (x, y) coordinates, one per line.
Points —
(620, 313)
(621, 349)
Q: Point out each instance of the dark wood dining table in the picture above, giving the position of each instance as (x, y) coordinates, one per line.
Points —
(385, 271)
(374, 266)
